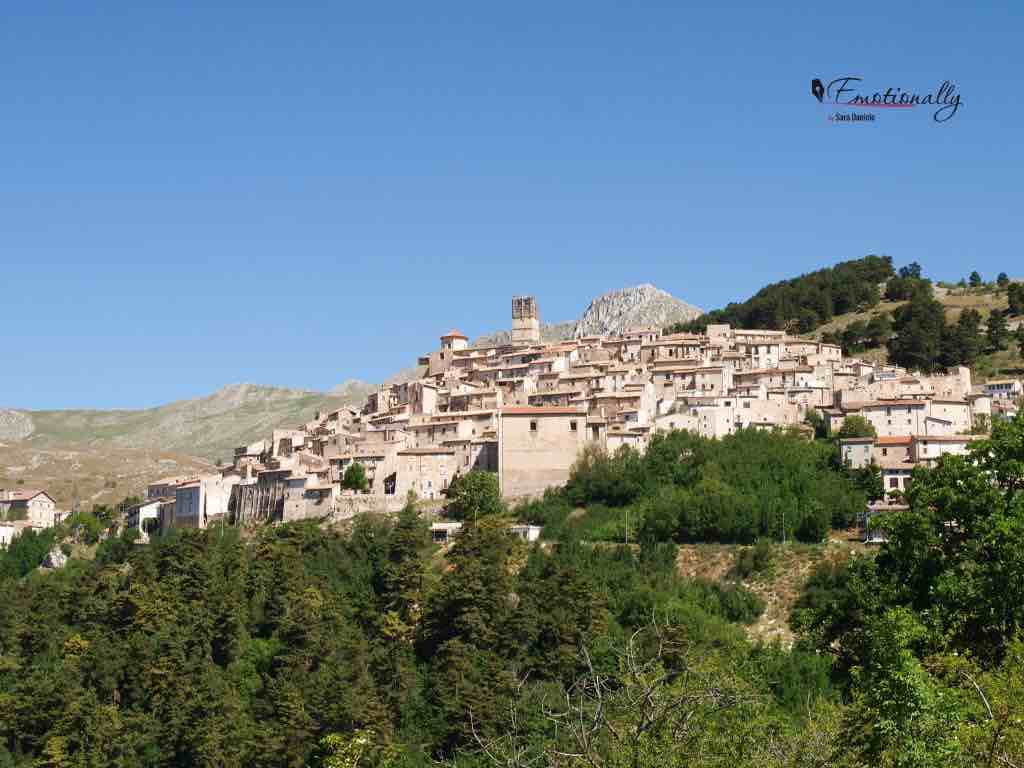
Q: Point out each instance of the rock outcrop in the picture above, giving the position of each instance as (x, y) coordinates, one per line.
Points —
(15, 425)
(618, 311)
(55, 559)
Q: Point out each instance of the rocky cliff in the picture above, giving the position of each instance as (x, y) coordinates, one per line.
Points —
(644, 305)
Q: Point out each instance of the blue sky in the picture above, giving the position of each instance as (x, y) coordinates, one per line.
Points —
(295, 194)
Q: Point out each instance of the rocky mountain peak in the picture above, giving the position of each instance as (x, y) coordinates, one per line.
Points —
(643, 305)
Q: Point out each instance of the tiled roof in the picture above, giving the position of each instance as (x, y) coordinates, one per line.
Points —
(895, 440)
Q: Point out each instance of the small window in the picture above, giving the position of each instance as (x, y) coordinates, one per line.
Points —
(572, 426)
(533, 425)
(894, 482)
(885, 451)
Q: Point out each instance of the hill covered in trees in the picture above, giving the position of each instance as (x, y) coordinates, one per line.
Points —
(898, 316)
(373, 646)
(803, 303)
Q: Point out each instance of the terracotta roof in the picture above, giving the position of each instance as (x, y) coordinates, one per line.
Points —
(895, 440)
(454, 333)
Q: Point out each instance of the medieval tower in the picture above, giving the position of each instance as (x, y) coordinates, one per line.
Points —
(525, 320)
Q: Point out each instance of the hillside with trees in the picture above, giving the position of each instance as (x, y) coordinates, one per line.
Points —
(372, 646)
(901, 316)
(803, 303)
(294, 645)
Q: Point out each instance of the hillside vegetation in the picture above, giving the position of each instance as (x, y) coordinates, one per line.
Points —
(938, 325)
(803, 303)
(300, 646)
(885, 316)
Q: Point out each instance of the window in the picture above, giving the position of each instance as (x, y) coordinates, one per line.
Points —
(894, 482)
(533, 425)
(885, 451)
(572, 426)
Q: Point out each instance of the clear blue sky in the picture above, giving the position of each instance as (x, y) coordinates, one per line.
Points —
(195, 194)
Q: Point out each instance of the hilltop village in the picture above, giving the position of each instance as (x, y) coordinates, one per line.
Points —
(525, 410)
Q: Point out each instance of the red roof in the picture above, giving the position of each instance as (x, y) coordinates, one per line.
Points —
(896, 440)
(454, 333)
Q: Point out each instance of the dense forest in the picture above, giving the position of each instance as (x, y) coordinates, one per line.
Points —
(297, 645)
(803, 303)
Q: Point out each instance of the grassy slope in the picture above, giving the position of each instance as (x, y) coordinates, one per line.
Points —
(97, 475)
(209, 427)
(955, 301)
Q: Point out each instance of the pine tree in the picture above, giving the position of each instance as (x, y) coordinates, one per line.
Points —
(997, 333)
(919, 328)
(962, 342)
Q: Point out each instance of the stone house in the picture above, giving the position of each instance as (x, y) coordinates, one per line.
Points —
(537, 447)
(36, 507)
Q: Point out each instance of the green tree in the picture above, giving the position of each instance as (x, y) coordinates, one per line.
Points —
(975, 280)
(856, 426)
(912, 271)
(962, 342)
(355, 478)
(879, 329)
(403, 571)
(817, 423)
(474, 495)
(1015, 297)
(919, 327)
(1019, 337)
(1003, 280)
(996, 332)
(869, 480)
(899, 716)
(952, 559)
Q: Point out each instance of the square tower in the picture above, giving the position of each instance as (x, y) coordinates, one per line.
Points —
(525, 320)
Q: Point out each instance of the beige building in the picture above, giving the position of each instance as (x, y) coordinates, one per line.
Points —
(537, 447)
(199, 502)
(37, 508)
(428, 471)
